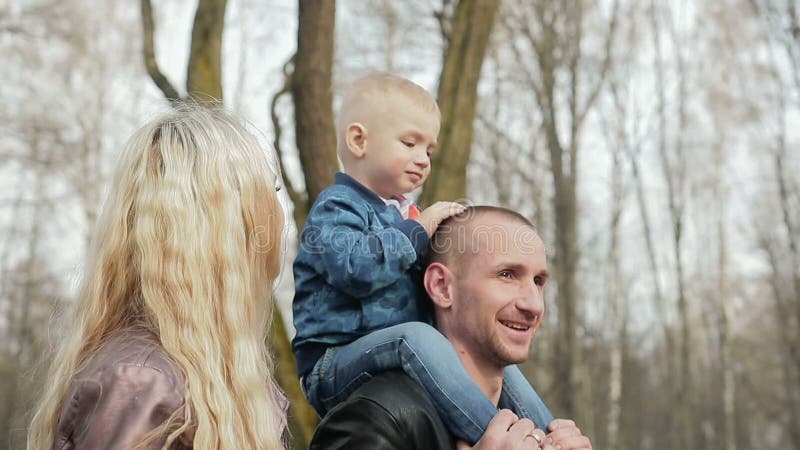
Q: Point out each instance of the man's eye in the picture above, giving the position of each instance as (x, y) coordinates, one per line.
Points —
(539, 281)
(505, 274)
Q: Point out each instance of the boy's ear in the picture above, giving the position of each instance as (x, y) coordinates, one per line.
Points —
(355, 136)
(438, 283)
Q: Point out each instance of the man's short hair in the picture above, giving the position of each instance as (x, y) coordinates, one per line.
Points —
(457, 236)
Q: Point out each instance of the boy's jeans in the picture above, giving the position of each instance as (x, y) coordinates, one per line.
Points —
(428, 357)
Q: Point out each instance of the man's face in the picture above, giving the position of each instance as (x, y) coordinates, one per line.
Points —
(399, 147)
(498, 292)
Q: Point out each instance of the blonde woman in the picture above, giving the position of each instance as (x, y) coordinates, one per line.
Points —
(166, 347)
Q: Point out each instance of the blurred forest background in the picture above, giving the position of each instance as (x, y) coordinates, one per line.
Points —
(654, 143)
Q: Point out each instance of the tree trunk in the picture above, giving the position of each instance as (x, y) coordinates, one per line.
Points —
(786, 291)
(723, 287)
(204, 83)
(792, 327)
(496, 145)
(618, 309)
(150, 62)
(391, 19)
(302, 418)
(564, 207)
(457, 97)
(25, 296)
(204, 72)
(556, 43)
(660, 300)
(789, 376)
(726, 362)
(313, 100)
(674, 178)
(310, 85)
(676, 208)
(792, 235)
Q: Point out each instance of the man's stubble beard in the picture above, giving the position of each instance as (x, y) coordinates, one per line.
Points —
(501, 354)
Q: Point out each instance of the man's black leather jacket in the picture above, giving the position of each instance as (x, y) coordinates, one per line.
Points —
(390, 411)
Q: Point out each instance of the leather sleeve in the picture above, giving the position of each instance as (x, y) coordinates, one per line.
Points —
(359, 424)
(389, 412)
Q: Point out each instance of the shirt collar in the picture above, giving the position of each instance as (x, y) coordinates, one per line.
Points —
(401, 203)
(346, 180)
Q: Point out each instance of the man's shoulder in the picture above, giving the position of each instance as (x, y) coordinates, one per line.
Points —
(394, 389)
(389, 411)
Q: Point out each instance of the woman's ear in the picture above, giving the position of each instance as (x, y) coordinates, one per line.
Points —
(438, 284)
(355, 136)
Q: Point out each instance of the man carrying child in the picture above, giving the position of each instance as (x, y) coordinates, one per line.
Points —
(360, 308)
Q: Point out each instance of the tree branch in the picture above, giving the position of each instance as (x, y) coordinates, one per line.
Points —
(605, 67)
(158, 78)
(296, 197)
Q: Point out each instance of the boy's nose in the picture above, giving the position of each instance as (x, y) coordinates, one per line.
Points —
(422, 161)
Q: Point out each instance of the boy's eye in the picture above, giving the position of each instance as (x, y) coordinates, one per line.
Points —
(409, 144)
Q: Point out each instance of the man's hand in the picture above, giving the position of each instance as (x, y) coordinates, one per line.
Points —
(507, 432)
(431, 217)
(566, 434)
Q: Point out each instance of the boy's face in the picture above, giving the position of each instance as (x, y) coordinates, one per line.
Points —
(399, 146)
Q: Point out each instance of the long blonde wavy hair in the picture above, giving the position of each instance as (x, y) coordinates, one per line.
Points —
(187, 247)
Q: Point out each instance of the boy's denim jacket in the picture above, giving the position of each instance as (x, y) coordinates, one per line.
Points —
(358, 269)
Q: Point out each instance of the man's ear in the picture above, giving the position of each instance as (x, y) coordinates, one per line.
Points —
(355, 136)
(438, 283)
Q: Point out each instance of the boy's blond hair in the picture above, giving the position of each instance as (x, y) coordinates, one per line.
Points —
(364, 99)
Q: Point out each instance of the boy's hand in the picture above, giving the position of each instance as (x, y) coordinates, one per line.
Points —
(431, 217)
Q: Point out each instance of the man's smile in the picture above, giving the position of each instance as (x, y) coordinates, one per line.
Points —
(518, 329)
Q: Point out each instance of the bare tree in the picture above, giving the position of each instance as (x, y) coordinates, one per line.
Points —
(308, 78)
(204, 70)
(313, 99)
(673, 166)
(310, 83)
(551, 36)
(615, 286)
(726, 363)
(21, 300)
(56, 153)
(502, 158)
(787, 293)
(781, 32)
(457, 96)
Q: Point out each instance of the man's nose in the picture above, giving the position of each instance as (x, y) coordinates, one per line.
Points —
(532, 298)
